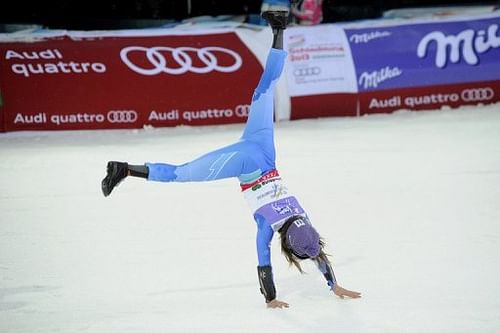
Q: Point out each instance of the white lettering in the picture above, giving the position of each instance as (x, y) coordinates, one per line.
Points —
(58, 54)
(60, 119)
(164, 116)
(468, 44)
(34, 55)
(20, 69)
(19, 118)
(28, 69)
(51, 68)
(413, 101)
(35, 69)
(63, 67)
(242, 110)
(12, 54)
(85, 67)
(394, 101)
(366, 37)
(48, 54)
(75, 67)
(55, 68)
(98, 67)
(373, 79)
(39, 118)
(206, 114)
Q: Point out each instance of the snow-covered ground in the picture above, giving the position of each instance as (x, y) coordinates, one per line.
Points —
(409, 204)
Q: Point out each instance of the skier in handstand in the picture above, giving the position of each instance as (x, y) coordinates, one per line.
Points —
(252, 161)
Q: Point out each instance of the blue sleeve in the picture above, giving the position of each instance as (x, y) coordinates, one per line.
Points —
(264, 237)
(326, 268)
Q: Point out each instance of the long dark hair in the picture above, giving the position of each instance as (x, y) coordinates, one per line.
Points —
(293, 258)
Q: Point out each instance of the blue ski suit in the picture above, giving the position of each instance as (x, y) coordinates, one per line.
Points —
(248, 159)
(251, 160)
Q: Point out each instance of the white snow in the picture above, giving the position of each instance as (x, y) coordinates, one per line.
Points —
(409, 204)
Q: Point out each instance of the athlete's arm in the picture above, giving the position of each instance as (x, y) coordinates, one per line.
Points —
(264, 236)
(265, 271)
(326, 268)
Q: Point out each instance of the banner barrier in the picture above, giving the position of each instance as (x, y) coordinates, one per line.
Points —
(64, 82)
(2, 129)
(381, 69)
(166, 77)
(429, 98)
(426, 54)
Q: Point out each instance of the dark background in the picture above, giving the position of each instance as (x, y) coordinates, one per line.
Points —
(115, 14)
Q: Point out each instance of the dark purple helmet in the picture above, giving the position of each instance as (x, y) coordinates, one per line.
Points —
(302, 239)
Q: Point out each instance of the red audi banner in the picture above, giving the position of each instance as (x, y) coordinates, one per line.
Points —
(100, 82)
(2, 129)
(428, 98)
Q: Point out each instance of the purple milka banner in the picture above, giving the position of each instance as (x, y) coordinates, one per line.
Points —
(426, 54)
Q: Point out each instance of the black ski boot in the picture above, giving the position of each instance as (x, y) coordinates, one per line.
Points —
(116, 172)
(276, 19)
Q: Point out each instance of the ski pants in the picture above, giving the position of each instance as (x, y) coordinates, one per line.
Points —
(250, 157)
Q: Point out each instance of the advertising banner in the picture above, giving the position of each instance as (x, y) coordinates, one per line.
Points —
(319, 62)
(2, 129)
(429, 54)
(427, 66)
(320, 72)
(429, 97)
(417, 66)
(68, 82)
(62, 81)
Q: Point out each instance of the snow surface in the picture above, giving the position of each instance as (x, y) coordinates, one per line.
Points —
(409, 204)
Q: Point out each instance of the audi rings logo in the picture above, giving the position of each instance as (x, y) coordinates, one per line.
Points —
(181, 60)
(242, 110)
(477, 94)
(307, 71)
(122, 116)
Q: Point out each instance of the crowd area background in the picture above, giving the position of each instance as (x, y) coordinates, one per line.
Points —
(115, 14)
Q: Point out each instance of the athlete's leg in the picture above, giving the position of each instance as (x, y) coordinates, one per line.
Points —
(243, 159)
(238, 159)
(259, 126)
(247, 159)
(261, 113)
